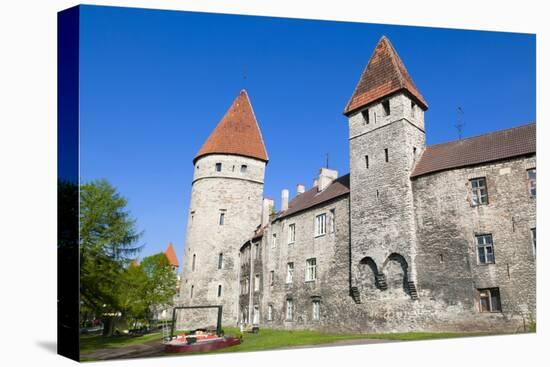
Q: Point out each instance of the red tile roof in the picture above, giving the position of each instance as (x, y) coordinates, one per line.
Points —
(498, 145)
(384, 75)
(237, 133)
(171, 255)
(313, 197)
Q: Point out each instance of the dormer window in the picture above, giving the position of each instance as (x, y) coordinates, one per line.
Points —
(365, 114)
(386, 107)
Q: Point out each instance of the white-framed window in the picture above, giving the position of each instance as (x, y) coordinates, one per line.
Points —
(271, 277)
(270, 313)
(485, 249)
(316, 311)
(489, 300)
(532, 181)
(289, 272)
(289, 309)
(534, 240)
(218, 167)
(291, 233)
(320, 224)
(479, 191)
(274, 240)
(311, 269)
(256, 282)
(332, 221)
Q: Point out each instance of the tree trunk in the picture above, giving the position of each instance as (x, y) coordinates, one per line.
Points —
(108, 326)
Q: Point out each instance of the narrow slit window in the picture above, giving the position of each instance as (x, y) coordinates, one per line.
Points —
(386, 154)
(220, 261)
(219, 290)
(365, 114)
(386, 106)
(194, 262)
(222, 219)
(367, 161)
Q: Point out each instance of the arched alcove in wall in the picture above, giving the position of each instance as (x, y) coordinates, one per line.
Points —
(367, 275)
(395, 269)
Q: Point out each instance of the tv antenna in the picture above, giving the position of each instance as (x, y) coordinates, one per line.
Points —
(327, 160)
(459, 122)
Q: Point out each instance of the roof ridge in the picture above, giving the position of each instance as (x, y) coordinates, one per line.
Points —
(482, 135)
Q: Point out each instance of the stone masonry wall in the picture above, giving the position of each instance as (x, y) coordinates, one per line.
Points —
(239, 195)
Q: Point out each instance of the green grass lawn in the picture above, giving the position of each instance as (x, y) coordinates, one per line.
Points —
(266, 339)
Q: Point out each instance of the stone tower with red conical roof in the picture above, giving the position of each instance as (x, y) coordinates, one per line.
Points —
(386, 136)
(226, 205)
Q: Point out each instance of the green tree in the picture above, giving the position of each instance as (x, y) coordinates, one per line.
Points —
(108, 243)
(160, 283)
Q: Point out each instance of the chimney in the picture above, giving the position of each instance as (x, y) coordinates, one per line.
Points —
(300, 189)
(326, 176)
(267, 209)
(315, 182)
(284, 200)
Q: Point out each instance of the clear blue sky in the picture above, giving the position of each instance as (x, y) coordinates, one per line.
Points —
(155, 83)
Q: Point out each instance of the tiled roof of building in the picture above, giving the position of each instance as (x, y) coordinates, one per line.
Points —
(237, 133)
(480, 149)
(171, 255)
(313, 197)
(384, 75)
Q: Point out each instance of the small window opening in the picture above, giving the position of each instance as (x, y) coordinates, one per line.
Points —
(218, 167)
(365, 114)
(222, 219)
(244, 167)
(386, 106)
(413, 109)
(386, 154)
(367, 161)
(219, 290)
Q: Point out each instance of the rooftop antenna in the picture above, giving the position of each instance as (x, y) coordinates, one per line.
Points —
(327, 160)
(459, 122)
(245, 74)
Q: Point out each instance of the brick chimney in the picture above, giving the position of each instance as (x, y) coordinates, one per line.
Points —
(326, 176)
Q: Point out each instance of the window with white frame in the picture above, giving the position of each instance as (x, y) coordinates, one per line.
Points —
(316, 304)
(270, 313)
(311, 269)
(289, 272)
(485, 249)
(289, 309)
(479, 191)
(274, 240)
(320, 224)
(489, 300)
(291, 233)
(532, 177)
(256, 282)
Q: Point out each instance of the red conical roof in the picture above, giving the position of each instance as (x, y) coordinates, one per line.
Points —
(237, 133)
(385, 74)
(171, 255)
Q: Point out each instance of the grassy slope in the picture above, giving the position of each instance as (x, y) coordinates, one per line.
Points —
(89, 343)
